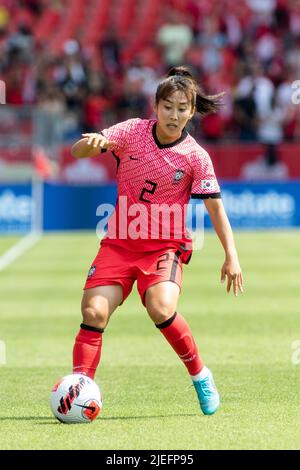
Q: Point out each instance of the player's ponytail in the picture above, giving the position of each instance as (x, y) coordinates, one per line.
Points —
(181, 79)
(208, 104)
(181, 71)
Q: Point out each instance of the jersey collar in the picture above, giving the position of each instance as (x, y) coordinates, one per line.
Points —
(165, 146)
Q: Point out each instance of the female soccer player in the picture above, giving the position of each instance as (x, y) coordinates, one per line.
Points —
(159, 167)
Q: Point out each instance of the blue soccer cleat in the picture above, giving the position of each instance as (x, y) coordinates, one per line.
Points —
(208, 395)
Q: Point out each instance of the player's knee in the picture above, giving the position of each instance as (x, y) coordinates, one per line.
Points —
(160, 310)
(95, 317)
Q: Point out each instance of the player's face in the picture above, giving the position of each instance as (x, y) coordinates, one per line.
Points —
(173, 114)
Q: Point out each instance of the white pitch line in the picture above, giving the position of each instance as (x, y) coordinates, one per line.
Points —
(19, 249)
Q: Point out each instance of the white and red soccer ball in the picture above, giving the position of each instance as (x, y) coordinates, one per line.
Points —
(76, 399)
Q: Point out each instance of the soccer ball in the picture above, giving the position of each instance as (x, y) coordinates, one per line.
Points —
(76, 399)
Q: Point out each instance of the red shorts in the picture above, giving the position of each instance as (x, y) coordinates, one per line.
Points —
(115, 265)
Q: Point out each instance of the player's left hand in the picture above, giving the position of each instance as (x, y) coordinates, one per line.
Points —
(231, 268)
(98, 140)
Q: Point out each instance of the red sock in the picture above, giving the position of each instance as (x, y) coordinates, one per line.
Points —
(87, 350)
(178, 334)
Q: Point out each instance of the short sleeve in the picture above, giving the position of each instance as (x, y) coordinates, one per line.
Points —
(205, 184)
(120, 133)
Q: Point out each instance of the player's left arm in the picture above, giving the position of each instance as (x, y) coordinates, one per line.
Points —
(231, 267)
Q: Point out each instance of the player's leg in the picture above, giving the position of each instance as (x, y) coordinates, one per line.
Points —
(97, 306)
(99, 303)
(161, 303)
(109, 282)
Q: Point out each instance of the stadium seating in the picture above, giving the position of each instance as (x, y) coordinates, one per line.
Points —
(88, 20)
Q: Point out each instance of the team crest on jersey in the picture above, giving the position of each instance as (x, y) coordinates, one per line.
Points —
(91, 271)
(178, 176)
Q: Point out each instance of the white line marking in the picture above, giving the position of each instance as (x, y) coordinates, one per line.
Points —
(19, 249)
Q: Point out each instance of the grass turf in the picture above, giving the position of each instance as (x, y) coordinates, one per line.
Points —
(148, 400)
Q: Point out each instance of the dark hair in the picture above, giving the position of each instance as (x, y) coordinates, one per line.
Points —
(181, 79)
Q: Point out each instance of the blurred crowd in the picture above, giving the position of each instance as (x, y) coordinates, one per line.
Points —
(248, 48)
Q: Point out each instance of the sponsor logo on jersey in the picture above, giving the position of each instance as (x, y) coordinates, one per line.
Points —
(91, 271)
(178, 176)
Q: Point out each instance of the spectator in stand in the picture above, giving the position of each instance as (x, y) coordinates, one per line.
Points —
(217, 38)
(132, 102)
(34, 6)
(110, 50)
(175, 37)
(263, 88)
(146, 74)
(270, 135)
(265, 7)
(22, 42)
(245, 115)
(294, 18)
(293, 58)
(96, 103)
(49, 120)
(4, 19)
(70, 74)
(193, 9)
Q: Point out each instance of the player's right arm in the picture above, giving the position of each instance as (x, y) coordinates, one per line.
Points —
(91, 145)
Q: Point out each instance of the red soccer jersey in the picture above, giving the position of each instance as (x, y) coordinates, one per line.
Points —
(155, 184)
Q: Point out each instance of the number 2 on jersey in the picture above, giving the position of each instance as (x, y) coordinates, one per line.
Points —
(147, 190)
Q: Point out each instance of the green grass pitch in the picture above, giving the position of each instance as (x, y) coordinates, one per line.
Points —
(148, 400)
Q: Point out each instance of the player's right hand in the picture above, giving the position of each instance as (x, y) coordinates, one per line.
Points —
(98, 141)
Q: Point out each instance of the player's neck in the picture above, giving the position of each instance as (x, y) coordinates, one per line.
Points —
(163, 138)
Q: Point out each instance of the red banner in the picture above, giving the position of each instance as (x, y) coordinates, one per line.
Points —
(229, 160)
(100, 169)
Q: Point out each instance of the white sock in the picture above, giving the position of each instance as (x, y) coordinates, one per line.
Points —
(204, 373)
